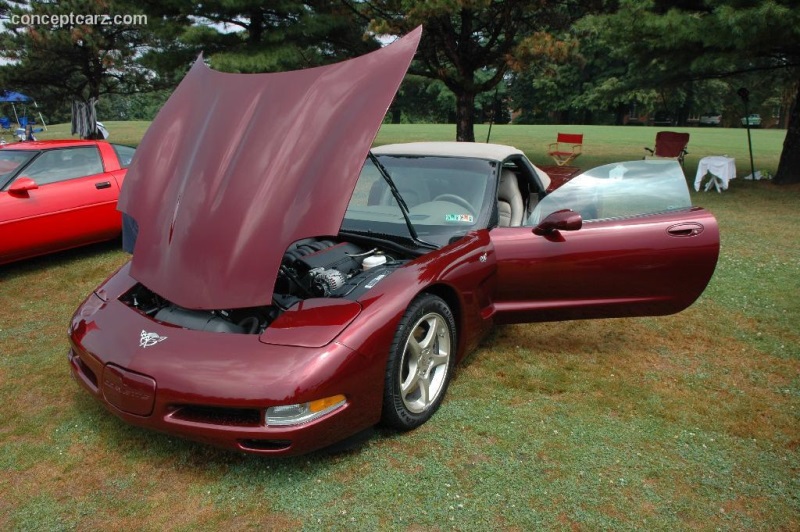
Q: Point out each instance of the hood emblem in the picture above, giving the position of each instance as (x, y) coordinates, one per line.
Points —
(148, 339)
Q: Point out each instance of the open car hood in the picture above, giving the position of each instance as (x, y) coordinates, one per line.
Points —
(236, 167)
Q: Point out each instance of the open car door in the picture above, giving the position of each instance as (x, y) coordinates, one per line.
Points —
(619, 240)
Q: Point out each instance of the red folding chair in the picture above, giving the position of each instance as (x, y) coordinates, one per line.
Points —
(669, 145)
(566, 148)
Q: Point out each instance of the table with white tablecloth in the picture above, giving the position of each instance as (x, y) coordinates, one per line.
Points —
(721, 168)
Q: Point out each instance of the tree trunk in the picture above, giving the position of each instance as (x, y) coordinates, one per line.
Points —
(465, 117)
(619, 114)
(256, 27)
(789, 165)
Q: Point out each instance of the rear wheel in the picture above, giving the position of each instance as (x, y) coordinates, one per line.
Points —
(420, 363)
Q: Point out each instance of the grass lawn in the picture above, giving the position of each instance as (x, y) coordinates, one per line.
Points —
(602, 144)
(679, 422)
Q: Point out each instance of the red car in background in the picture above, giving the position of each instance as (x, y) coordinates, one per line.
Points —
(59, 194)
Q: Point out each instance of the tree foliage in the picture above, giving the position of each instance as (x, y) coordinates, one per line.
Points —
(122, 63)
(257, 36)
(564, 61)
(672, 45)
(60, 58)
(470, 45)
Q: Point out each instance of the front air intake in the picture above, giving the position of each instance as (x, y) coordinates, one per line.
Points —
(212, 415)
(264, 445)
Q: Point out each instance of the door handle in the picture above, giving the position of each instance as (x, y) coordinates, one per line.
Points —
(685, 229)
(103, 184)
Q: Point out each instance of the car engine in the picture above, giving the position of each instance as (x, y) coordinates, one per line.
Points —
(310, 268)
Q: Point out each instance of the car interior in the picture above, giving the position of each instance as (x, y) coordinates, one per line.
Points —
(518, 192)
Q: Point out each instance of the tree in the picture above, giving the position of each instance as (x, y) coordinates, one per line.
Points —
(63, 57)
(70, 51)
(670, 44)
(422, 100)
(257, 36)
(470, 45)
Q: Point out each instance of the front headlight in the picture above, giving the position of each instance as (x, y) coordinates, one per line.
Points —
(304, 412)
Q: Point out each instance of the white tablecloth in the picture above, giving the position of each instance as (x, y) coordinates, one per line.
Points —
(721, 168)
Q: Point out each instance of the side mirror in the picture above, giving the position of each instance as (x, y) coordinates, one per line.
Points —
(22, 185)
(564, 220)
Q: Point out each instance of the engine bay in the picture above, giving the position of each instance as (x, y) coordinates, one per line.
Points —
(310, 268)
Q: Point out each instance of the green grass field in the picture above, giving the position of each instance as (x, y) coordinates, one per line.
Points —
(689, 421)
(602, 144)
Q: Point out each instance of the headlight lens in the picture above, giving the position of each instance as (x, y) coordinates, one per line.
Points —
(298, 414)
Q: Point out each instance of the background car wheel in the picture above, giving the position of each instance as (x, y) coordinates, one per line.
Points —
(420, 363)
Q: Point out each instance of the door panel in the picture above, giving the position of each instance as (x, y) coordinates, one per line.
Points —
(58, 216)
(647, 265)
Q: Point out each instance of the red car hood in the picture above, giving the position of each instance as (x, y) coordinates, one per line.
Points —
(236, 167)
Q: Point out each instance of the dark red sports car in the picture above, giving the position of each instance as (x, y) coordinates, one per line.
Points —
(290, 288)
(59, 194)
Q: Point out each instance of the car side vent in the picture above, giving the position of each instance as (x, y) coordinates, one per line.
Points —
(212, 415)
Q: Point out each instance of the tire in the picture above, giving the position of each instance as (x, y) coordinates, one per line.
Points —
(420, 363)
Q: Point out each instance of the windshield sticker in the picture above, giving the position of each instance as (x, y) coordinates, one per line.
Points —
(458, 218)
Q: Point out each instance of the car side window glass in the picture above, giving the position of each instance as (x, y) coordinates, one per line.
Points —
(124, 154)
(619, 190)
(11, 161)
(61, 165)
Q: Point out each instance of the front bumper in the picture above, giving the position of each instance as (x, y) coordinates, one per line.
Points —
(214, 387)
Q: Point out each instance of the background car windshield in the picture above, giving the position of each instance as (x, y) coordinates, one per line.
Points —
(445, 197)
(620, 190)
(11, 160)
(124, 154)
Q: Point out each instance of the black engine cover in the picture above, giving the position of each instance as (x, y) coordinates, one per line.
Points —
(337, 257)
(196, 320)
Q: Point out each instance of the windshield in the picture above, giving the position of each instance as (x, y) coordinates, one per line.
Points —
(12, 160)
(619, 190)
(445, 197)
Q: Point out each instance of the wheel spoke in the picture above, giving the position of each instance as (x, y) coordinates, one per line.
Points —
(410, 381)
(424, 385)
(430, 336)
(438, 359)
(415, 347)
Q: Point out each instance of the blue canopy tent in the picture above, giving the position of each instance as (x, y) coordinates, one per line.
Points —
(13, 98)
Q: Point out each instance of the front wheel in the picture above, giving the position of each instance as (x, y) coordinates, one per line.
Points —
(420, 363)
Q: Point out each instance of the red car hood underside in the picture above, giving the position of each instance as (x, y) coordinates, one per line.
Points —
(236, 167)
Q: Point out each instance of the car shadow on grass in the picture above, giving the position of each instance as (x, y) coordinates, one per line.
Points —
(58, 259)
(138, 443)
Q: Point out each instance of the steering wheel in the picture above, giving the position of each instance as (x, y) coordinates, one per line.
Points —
(452, 198)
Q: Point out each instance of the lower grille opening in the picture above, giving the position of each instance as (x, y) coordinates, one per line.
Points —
(88, 373)
(265, 445)
(212, 415)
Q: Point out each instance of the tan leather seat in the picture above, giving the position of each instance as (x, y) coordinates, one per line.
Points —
(510, 206)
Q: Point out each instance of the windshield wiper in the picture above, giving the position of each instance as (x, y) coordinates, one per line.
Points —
(396, 243)
(400, 202)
